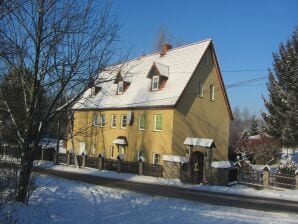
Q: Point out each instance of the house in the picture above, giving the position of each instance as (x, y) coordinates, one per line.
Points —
(146, 108)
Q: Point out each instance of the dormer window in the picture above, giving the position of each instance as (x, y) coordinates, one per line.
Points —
(94, 90)
(159, 75)
(120, 87)
(155, 83)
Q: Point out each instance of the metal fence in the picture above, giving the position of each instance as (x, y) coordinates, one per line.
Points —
(154, 170)
(130, 167)
(251, 177)
(282, 180)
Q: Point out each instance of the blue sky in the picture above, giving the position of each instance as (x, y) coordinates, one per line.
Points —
(245, 34)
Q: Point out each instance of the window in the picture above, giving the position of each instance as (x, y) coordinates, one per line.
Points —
(95, 119)
(200, 89)
(121, 150)
(113, 121)
(102, 120)
(92, 91)
(155, 83)
(157, 122)
(140, 154)
(120, 88)
(93, 149)
(212, 92)
(123, 121)
(112, 151)
(156, 158)
(142, 122)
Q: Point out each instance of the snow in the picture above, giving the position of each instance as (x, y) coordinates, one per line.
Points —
(221, 164)
(178, 64)
(176, 159)
(69, 202)
(235, 189)
(199, 142)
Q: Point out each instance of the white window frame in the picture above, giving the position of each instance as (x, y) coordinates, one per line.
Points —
(155, 80)
(153, 158)
(93, 148)
(103, 118)
(140, 153)
(155, 122)
(122, 116)
(95, 121)
(212, 92)
(120, 88)
(92, 93)
(113, 118)
(140, 128)
(200, 89)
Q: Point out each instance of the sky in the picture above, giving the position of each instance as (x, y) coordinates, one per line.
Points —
(245, 34)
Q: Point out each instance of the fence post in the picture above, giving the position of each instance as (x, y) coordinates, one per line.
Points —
(42, 153)
(266, 177)
(83, 160)
(141, 167)
(100, 162)
(296, 180)
(67, 158)
(119, 167)
(55, 158)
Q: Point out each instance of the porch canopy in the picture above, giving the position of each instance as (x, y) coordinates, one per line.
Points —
(120, 140)
(203, 142)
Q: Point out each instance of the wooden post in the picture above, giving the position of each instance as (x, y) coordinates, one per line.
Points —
(67, 158)
(266, 177)
(83, 160)
(55, 158)
(119, 165)
(141, 167)
(100, 163)
(42, 153)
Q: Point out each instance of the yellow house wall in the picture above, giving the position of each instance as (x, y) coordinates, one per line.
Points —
(200, 117)
(149, 140)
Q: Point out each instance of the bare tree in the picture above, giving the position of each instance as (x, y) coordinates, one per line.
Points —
(64, 44)
(163, 36)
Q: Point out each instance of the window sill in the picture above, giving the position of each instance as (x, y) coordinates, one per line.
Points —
(141, 129)
(157, 130)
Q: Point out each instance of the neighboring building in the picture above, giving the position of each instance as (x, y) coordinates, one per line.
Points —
(147, 107)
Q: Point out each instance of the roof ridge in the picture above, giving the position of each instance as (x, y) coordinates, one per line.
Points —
(155, 53)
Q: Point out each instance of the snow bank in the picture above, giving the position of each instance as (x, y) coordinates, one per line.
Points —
(221, 164)
(176, 159)
(70, 202)
(235, 189)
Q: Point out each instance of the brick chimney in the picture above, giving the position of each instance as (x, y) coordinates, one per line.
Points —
(165, 48)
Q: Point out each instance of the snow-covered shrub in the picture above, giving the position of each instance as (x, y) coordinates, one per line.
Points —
(287, 167)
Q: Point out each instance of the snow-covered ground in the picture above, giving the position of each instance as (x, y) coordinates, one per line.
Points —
(236, 189)
(69, 202)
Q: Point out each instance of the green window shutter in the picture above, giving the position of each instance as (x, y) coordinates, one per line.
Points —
(158, 122)
(142, 121)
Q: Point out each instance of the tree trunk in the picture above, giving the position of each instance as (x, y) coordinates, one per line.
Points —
(25, 174)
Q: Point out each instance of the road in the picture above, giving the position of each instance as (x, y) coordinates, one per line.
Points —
(215, 198)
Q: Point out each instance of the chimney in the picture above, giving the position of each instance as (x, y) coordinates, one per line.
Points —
(165, 48)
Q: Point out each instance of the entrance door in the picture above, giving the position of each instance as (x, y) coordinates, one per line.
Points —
(196, 161)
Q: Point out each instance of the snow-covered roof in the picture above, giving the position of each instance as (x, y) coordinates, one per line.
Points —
(204, 142)
(259, 136)
(177, 65)
(177, 159)
(164, 70)
(221, 164)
